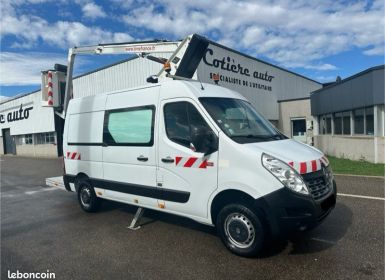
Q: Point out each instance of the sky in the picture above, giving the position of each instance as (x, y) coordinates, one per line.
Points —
(320, 39)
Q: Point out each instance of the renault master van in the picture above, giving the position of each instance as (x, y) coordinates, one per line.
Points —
(200, 151)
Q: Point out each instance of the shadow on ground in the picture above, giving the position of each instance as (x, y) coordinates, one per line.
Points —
(325, 236)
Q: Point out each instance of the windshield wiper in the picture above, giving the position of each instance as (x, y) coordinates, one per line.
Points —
(261, 137)
(275, 136)
(257, 136)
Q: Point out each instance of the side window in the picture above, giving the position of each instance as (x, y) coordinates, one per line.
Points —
(181, 119)
(195, 118)
(177, 123)
(129, 127)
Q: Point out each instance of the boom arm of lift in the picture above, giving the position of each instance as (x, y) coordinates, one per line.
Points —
(186, 53)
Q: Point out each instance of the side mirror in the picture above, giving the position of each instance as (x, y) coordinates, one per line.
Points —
(204, 140)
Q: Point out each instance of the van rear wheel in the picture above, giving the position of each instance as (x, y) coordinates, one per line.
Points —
(241, 230)
(88, 200)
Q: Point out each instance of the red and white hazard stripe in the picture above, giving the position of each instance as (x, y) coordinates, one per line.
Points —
(309, 166)
(325, 161)
(192, 162)
(50, 92)
(73, 155)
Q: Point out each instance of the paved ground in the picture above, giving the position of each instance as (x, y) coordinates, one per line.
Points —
(43, 228)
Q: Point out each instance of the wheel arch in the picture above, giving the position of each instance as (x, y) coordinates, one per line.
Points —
(80, 176)
(226, 197)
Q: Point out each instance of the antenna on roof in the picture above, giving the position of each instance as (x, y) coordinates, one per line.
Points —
(199, 80)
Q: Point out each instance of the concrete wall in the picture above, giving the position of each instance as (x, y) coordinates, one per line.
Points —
(352, 147)
(289, 110)
(380, 144)
(41, 150)
(1, 146)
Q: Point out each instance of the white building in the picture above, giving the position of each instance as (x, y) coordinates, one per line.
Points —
(27, 128)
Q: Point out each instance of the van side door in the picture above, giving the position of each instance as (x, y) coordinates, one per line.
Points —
(129, 157)
(181, 169)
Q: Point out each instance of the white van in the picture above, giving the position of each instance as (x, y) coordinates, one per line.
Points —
(199, 151)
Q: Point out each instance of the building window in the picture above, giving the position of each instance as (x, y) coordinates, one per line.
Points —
(338, 123)
(364, 121)
(369, 121)
(321, 125)
(19, 139)
(326, 124)
(346, 123)
(342, 123)
(45, 138)
(359, 125)
(28, 139)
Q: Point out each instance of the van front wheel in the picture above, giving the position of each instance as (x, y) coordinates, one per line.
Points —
(241, 230)
(88, 200)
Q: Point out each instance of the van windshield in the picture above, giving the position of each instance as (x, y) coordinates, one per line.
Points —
(240, 121)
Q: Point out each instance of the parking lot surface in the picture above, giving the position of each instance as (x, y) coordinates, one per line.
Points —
(43, 228)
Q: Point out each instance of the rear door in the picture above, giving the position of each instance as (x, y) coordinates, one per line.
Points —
(129, 158)
(187, 178)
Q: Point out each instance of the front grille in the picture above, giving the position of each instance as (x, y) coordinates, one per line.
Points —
(317, 184)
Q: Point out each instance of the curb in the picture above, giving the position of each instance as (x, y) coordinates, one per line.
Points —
(365, 176)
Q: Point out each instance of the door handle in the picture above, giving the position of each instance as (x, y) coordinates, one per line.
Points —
(168, 160)
(142, 158)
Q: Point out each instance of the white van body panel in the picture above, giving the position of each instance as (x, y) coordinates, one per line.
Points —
(201, 183)
(133, 98)
(87, 104)
(233, 167)
(242, 170)
(186, 175)
(93, 132)
(193, 90)
(120, 163)
(84, 125)
(287, 150)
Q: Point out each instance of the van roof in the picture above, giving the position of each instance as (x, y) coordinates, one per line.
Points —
(176, 87)
(171, 89)
(198, 89)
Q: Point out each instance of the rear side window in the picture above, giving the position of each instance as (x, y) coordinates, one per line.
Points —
(129, 127)
(181, 118)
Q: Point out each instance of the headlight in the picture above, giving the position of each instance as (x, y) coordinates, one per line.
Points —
(285, 174)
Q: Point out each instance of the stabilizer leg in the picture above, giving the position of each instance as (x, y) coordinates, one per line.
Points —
(135, 221)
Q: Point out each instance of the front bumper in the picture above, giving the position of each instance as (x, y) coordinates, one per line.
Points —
(287, 212)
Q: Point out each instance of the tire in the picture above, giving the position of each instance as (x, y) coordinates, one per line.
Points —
(241, 230)
(87, 198)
